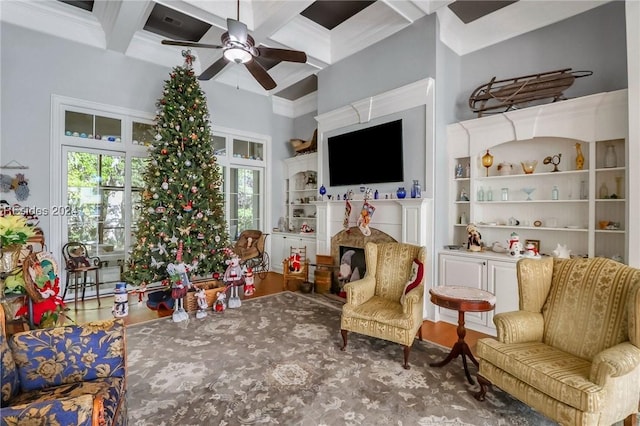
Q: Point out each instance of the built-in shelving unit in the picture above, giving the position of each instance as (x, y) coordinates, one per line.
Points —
(587, 211)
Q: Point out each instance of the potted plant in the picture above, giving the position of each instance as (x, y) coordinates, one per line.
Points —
(14, 233)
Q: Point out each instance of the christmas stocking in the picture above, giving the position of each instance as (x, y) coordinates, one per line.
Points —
(347, 213)
(365, 217)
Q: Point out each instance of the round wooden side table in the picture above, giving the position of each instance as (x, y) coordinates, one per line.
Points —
(461, 299)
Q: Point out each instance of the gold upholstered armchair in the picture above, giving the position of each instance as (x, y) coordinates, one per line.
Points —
(572, 351)
(387, 302)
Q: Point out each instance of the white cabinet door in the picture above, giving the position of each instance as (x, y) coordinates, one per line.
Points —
(467, 272)
(503, 282)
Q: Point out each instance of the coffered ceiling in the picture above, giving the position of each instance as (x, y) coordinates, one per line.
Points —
(327, 30)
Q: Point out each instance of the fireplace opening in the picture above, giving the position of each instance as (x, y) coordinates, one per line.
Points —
(351, 267)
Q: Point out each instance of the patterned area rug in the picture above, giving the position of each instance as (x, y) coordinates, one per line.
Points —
(277, 360)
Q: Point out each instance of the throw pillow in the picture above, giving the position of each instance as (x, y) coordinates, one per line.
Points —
(417, 271)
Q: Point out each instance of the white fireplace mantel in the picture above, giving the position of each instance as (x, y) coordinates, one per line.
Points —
(407, 220)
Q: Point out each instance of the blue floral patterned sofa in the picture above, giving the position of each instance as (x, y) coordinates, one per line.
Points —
(69, 375)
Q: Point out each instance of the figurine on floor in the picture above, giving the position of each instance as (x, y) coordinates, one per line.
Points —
(233, 278)
(221, 301)
(249, 286)
(201, 297)
(180, 285)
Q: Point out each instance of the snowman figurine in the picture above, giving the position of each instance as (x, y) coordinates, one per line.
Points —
(515, 246)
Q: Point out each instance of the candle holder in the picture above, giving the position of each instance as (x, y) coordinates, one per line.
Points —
(487, 161)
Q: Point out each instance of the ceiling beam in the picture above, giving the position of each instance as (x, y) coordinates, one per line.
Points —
(121, 19)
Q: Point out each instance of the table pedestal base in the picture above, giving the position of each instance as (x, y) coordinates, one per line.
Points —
(460, 348)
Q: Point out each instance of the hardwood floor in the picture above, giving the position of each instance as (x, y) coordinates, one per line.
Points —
(441, 333)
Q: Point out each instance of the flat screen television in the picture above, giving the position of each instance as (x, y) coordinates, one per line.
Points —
(365, 156)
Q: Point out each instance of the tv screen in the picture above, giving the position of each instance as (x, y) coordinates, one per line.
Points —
(355, 157)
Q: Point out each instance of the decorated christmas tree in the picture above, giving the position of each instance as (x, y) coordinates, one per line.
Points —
(182, 204)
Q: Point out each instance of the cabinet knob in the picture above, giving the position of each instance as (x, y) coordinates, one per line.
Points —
(484, 263)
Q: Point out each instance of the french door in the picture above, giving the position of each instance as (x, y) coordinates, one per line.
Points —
(102, 196)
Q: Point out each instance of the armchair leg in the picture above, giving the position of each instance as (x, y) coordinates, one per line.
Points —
(344, 339)
(631, 420)
(484, 385)
(407, 349)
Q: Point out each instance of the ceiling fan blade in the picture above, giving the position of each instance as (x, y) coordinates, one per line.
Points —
(213, 69)
(190, 44)
(237, 30)
(282, 54)
(260, 74)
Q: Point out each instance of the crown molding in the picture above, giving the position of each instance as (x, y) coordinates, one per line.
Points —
(293, 109)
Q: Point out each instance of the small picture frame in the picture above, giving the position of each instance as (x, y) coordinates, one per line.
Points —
(536, 244)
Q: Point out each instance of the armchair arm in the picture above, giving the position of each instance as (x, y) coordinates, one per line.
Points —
(412, 299)
(71, 410)
(519, 326)
(615, 361)
(361, 290)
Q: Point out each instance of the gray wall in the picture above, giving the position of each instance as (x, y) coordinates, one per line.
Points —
(403, 58)
(35, 66)
(594, 40)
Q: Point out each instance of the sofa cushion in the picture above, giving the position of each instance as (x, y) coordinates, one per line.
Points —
(581, 314)
(381, 310)
(556, 373)
(69, 354)
(9, 379)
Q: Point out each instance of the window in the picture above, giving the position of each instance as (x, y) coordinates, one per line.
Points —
(244, 174)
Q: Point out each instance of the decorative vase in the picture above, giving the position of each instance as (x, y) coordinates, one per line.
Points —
(401, 193)
(416, 191)
(579, 157)
(10, 257)
(610, 159)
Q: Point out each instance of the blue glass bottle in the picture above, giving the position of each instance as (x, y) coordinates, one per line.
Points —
(401, 193)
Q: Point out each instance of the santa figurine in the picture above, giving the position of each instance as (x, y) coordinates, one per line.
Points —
(249, 287)
(294, 261)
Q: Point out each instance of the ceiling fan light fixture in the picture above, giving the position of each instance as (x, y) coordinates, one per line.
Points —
(237, 55)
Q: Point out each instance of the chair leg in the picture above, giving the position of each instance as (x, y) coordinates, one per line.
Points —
(84, 284)
(631, 420)
(484, 385)
(407, 350)
(66, 286)
(344, 339)
(97, 288)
